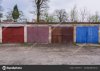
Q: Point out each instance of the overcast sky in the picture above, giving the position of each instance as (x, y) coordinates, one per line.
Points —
(26, 5)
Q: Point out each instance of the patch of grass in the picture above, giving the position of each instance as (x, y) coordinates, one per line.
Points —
(27, 44)
(74, 44)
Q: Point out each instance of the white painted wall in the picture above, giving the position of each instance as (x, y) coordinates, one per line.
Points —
(0, 34)
(50, 34)
(74, 34)
(99, 34)
(25, 34)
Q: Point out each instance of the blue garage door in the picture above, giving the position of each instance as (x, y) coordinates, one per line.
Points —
(93, 34)
(81, 34)
(87, 34)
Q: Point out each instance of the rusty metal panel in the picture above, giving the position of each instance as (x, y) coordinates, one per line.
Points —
(56, 39)
(13, 35)
(56, 31)
(67, 35)
(62, 35)
(38, 34)
(67, 30)
(56, 35)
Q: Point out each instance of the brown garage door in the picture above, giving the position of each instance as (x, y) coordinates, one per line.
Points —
(67, 34)
(13, 35)
(62, 34)
(56, 35)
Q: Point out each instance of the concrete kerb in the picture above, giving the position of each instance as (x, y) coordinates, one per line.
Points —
(93, 45)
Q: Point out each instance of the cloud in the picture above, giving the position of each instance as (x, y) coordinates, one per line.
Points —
(26, 5)
(91, 5)
(60, 4)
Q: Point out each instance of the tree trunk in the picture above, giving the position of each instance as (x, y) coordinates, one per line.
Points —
(38, 14)
(0, 20)
(15, 20)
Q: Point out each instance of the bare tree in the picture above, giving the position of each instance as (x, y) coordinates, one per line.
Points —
(9, 15)
(49, 17)
(94, 18)
(74, 14)
(22, 17)
(40, 6)
(83, 14)
(1, 9)
(61, 15)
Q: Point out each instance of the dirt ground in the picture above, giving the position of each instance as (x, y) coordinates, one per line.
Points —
(33, 54)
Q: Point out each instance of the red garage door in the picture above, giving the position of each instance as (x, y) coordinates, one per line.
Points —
(13, 35)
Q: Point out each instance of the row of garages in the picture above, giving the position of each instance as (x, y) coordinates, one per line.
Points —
(49, 34)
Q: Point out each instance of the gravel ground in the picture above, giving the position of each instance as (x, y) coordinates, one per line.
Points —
(49, 55)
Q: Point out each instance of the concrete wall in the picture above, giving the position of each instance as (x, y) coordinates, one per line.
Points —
(44, 31)
(0, 34)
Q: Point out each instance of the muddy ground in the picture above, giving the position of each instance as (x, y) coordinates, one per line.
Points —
(33, 54)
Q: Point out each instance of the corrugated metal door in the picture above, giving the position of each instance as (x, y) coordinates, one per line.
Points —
(87, 34)
(31, 38)
(93, 34)
(67, 35)
(13, 35)
(42, 34)
(81, 34)
(56, 35)
(38, 34)
(62, 35)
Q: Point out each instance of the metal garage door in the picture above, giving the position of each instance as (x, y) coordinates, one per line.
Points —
(93, 34)
(13, 35)
(56, 35)
(67, 35)
(81, 34)
(62, 35)
(38, 34)
(87, 34)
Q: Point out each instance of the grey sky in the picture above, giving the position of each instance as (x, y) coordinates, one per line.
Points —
(26, 5)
